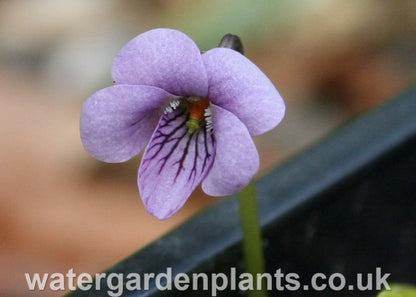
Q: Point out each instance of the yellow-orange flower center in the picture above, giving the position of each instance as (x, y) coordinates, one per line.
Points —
(197, 107)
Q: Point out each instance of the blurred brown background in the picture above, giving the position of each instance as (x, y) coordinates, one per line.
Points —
(61, 209)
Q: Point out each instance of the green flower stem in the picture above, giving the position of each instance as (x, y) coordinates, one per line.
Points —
(252, 241)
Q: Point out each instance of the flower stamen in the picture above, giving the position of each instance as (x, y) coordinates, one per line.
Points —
(197, 110)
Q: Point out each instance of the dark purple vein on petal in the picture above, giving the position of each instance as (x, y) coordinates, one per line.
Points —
(181, 161)
(196, 155)
(207, 154)
(166, 137)
(177, 115)
(167, 156)
(188, 156)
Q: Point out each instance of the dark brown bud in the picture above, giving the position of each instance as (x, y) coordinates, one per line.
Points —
(233, 42)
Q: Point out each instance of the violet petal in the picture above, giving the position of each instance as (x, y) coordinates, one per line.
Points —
(236, 158)
(164, 58)
(118, 121)
(239, 86)
(174, 163)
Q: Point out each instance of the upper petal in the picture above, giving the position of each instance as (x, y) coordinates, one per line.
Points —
(118, 121)
(239, 86)
(173, 165)
(164, 58)
(236, 158)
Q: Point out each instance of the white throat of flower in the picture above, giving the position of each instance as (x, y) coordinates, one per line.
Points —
(172, 106)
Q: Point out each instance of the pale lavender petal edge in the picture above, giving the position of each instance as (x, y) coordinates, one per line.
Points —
(236, 157)
(117, 122)
(164, 58)
(238, 85)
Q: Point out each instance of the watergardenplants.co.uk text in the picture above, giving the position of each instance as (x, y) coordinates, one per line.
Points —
(115, 284)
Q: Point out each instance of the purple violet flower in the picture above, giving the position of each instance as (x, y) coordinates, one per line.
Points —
(195, 115)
